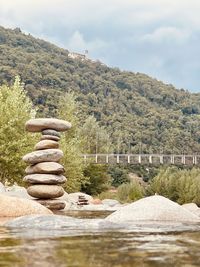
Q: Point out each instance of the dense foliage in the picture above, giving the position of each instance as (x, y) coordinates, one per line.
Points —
(140, 114)
(15, 110)
(182, 186)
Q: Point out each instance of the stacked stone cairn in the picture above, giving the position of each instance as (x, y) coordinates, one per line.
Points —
(82, 201)
(45, 174)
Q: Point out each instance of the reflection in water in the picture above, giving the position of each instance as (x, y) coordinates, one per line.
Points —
(114, 248)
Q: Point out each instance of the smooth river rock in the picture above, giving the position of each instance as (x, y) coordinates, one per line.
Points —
(154, 208)
(45, 167)
(49, 137)
(38, 125)
(14, 207)
(45, 179)
(45, 191)
(52, 204)
(43, 156)
(51, 132)
(46, 144)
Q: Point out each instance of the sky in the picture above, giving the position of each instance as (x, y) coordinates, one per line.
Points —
(158, 37)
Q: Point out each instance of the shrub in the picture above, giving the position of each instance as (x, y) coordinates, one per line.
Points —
(118, 175)
(182, 186)
(99, 180)
(130, 192)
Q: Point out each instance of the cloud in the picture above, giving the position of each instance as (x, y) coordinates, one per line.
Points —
(158, 37)
(77, 42)
(167, 34)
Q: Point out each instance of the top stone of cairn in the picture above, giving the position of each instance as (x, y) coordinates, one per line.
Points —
(38, 125)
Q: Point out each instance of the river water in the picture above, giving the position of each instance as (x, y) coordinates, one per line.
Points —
(121, 248)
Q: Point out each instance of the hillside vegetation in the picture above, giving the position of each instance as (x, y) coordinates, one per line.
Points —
(139, 113)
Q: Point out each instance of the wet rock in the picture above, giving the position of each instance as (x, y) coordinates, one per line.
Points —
(43, 156)
(45, 179)
(14, 207)
(49, 137)
(46, 144)
(38, 125)
(51, 132)
(154, 208)
(45, 191)
(52, 204)
(45, 167)
(110, 202)
(96, 201)
(2, 188)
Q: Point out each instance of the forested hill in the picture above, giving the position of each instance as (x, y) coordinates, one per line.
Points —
(140, 113)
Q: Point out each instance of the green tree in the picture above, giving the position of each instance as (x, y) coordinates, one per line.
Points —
(71, 144)
(15, 110)
(99, 179)
(119, 175)
(96, 139)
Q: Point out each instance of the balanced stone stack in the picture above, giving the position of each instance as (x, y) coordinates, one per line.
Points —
(45, 174)
(82, 201)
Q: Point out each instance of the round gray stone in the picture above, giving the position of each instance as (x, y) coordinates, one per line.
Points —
(46, 144)
(38, 125)
(45, 167)
(43, 156)
(49, 137)
(45, 191)
(45, 179)
(51, 132)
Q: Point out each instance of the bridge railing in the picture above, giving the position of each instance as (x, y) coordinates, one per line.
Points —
(155, 159)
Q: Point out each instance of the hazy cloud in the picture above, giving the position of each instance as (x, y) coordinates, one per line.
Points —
(158, 37)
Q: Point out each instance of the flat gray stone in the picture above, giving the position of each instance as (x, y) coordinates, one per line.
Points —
(51, 132)
(38, 125)
(43, 156)
(45, 179)
(50, 137)
(52, 204)
(45, 191)
(46, 144)
(45, 167)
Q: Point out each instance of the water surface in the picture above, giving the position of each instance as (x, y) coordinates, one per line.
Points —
(120, 248)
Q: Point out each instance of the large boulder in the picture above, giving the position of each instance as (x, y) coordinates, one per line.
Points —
(14, 207)
(38, 125)
(192, 207)
(154, 208)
